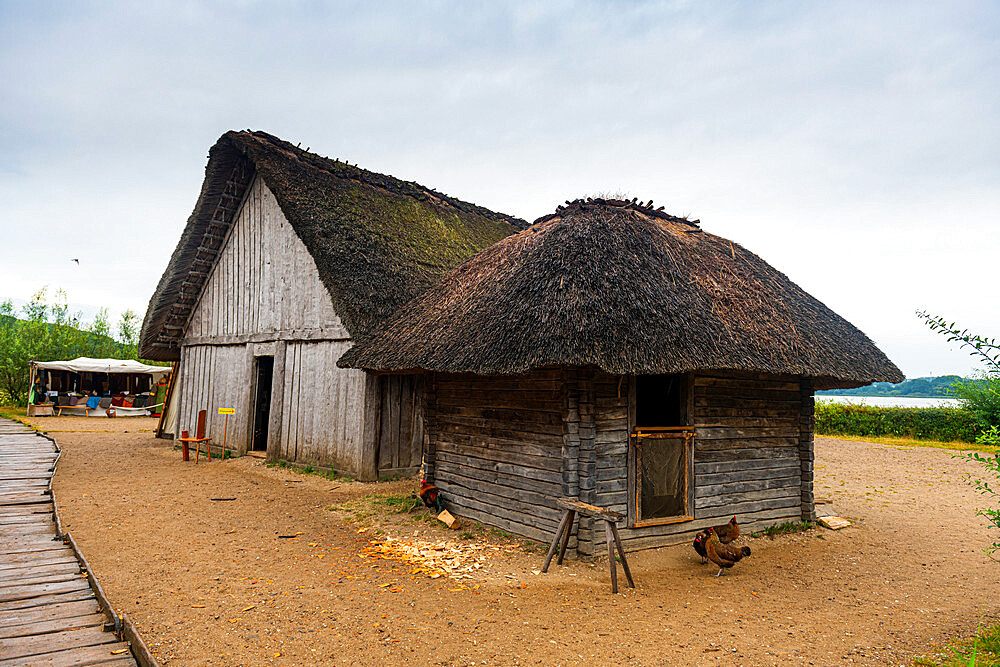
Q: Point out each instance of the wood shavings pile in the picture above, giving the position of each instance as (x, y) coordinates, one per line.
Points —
(437, 559)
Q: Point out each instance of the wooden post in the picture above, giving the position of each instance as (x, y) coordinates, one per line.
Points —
(565, 540)
(185, 454)
(611, 556)
(225, 431)
(621, 552)
(563, 525)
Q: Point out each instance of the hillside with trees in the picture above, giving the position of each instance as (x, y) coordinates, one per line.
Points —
(926, 387)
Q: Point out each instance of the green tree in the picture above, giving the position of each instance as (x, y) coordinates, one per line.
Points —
(46, 329)
(128, 333)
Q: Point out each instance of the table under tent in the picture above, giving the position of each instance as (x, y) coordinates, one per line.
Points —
(97, 387)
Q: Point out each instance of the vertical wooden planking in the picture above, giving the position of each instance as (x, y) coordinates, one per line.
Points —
(417, 446)
(275, 435)
(265, 281)
(401, 455)
(386, 439)
(184, 385)
(246, 224)
(371, 417)
(293, 380)
(298, 411)
(255, 263)
(308, 398)
(286, 401)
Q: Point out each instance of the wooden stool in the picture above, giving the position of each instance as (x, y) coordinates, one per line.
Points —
(572, 507)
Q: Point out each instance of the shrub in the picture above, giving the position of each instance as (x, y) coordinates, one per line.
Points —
(945, 424)
(981, 397)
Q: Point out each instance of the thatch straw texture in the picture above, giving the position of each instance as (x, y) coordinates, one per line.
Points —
(377, 241)
(628, 289)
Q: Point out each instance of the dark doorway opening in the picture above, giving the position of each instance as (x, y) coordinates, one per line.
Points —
(264, 367)
(661, 400)
(662, 454)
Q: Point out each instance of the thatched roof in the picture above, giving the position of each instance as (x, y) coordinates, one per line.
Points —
(628, 289)
(377, 241)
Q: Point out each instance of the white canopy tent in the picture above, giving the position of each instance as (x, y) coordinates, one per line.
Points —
(88, 365)
(54, 400)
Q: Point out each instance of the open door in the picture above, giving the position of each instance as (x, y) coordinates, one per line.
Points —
(263, 381)
(662, 452)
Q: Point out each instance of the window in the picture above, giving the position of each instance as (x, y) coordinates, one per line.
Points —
(662, 453)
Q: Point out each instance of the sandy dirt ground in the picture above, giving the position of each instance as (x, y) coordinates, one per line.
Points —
(215, 582)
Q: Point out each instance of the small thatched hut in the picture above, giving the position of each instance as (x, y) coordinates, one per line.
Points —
(289, 258)
(624, 357)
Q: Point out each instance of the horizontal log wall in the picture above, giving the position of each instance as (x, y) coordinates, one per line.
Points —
(807, 426)
(748, 458)
(611, 444)
(495, 448)
(502, 450)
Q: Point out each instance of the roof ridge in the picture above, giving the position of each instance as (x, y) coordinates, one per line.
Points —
(592, 203)
(344, 170)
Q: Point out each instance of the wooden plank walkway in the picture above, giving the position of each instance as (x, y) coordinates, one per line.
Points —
(49, 614)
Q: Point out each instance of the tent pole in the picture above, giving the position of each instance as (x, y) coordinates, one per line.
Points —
(31, 389)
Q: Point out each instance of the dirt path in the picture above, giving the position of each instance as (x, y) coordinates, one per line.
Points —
(214, 582)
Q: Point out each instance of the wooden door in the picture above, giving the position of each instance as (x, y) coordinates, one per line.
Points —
(400, 436)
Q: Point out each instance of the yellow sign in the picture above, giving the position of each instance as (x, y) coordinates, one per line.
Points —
(227, 411)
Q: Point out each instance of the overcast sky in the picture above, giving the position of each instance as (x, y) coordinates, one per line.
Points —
(853, 145)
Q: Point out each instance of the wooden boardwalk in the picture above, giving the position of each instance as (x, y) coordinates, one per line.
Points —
(49, 614)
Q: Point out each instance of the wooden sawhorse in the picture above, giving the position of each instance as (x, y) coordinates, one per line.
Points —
(571, 507)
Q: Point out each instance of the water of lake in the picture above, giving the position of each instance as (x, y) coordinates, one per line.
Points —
(891, 401)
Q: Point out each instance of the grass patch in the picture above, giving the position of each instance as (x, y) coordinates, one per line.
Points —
(397, 505)
(982, 650)
(910, 442)
(309, 469)
(15, 412)
(786, 528)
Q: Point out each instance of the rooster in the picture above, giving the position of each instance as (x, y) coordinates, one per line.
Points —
(727, 532)
(430, 496)
(723, 555)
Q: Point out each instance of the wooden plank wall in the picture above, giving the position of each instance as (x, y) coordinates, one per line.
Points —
(264, 296)
(322, 420)
(495, 448)
(214, 376)
(264, 281)
(748, 454)
(400, 432)
(503, 449)
(807, 456)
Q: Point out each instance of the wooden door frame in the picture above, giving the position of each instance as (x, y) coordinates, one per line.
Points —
(631, 460)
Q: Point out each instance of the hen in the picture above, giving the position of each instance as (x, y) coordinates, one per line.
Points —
(727, 532)
(723, 555)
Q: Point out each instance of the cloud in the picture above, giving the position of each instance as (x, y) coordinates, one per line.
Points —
(851, 144)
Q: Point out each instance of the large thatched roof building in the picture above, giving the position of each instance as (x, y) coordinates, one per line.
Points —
(621, 355)
(287, 259)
